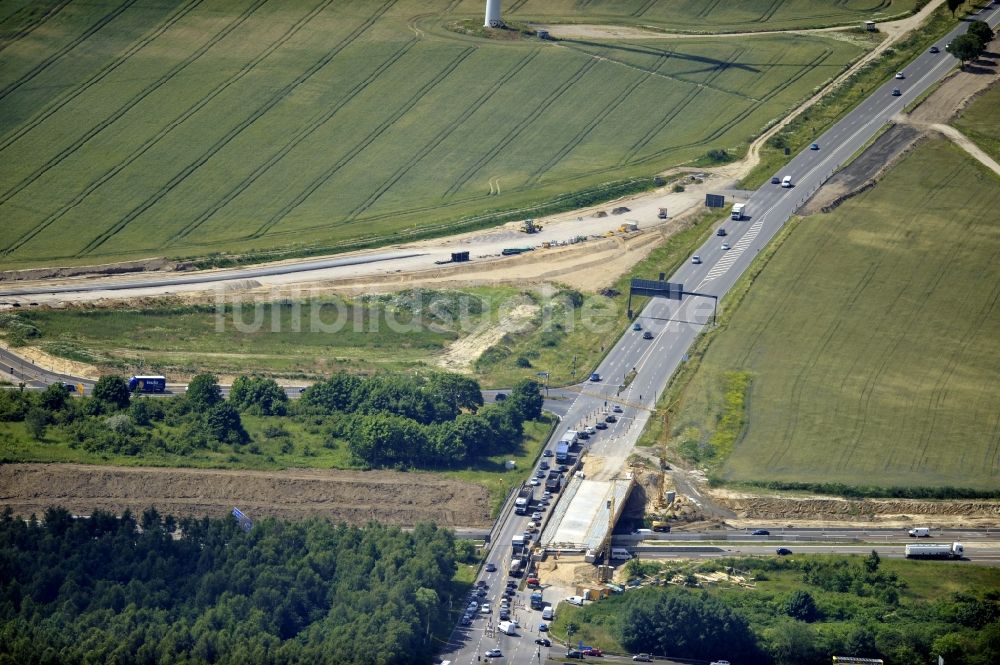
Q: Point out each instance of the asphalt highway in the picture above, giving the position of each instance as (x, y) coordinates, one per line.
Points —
(675, 325)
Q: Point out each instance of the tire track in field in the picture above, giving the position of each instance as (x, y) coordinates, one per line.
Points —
(30, 27)
(673, 78)
(685, 101)
(58, 103)
(301, 135)
(940, 390)
(517, 4)
(594, 122)
(770, 11)
(642, 9)
(742, 115)
(166, 130)
(442, 135)
(864, 398)
(235, 131)
(959, 348)
(87, 34)
(546, 102)
(125, 108)
(372, 136)
(150, 142)
(798, 384)
(708, 8)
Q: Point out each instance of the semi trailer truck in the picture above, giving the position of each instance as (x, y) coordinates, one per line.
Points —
(935, 551)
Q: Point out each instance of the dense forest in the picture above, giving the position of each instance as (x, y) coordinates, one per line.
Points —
(116, 589)
(432, 421)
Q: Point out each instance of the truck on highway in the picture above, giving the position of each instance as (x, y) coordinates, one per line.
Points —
(562, 452)
(147, 384)
(536, 601)
(517, 544)
(935, 551)
(737, 212)
(553, 482)
(524, 498)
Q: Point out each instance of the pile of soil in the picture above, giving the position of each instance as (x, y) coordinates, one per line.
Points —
(883, 512)
(342, 496)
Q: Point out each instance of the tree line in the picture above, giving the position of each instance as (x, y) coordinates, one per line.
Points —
(154, 589)
(433, 421)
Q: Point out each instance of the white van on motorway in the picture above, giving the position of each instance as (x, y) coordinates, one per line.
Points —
(547, 613)
(620, 554)
(786, 181)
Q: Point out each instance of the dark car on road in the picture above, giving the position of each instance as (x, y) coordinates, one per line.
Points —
(490, 568)
(783, 551)
(578, 655)
(760, 532)
(610, 418)
(720, 232)
(500, 397)
(602, 425)
(646, 335)
(544, 641)
(775, 180)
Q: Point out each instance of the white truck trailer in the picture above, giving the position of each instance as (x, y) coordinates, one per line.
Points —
(737, 212)
(935, 551)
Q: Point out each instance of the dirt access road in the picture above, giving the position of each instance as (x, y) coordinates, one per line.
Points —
(342, 496)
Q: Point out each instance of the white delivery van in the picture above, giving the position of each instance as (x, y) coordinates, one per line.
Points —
(786, 181)
(920, 532)
(506, 627)
(620, 554)
(547, 613)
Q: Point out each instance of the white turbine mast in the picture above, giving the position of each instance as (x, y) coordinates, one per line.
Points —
(493, 14)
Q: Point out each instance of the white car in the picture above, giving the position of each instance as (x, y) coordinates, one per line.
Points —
(720, 662)
(590, 430)
(534, 482)
(494, 653)
(485, 609)
(725, 246)
(900, 75)
(696, 259)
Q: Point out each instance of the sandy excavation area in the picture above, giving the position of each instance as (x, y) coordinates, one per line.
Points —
(354, 497)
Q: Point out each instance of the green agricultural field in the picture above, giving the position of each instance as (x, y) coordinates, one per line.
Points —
(703, 15)
(870, 343)
(136, 129)
(980, 123)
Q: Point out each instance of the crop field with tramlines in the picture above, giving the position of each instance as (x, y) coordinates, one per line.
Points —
(705, 15)
(869, 344)
(132, 128)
